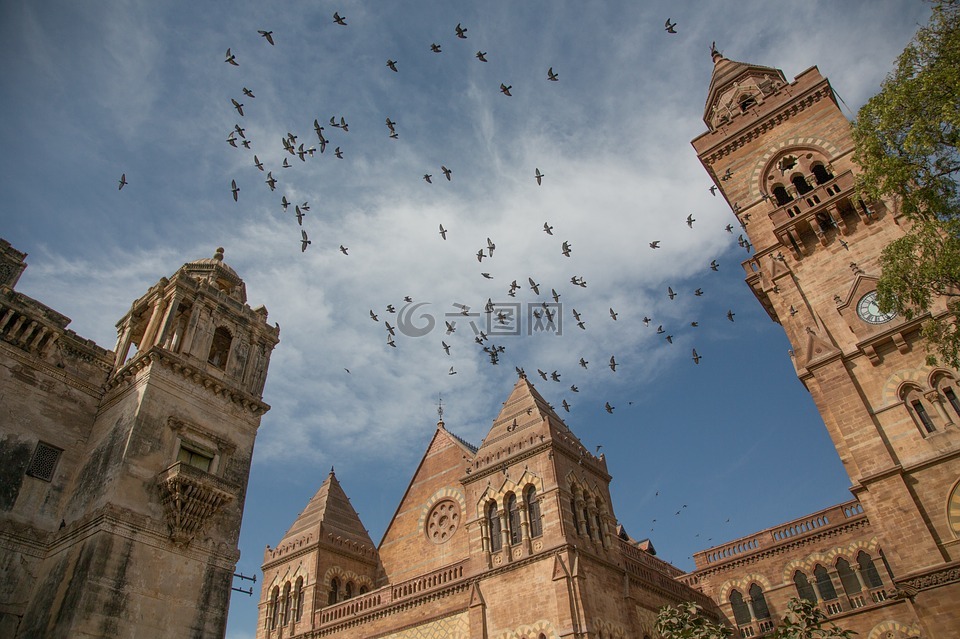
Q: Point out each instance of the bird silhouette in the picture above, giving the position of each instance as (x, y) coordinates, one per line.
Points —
(461, 32)
(574, 389)
(669, 27)
(392, 65)
(446, 172)
(427, 178)
(553, 77)
(257, 163)
(481, 56)
(583, 362)
(655, 244)
(730, 315)
(696, 357)
(443, 232)
(344, 249)
(670, 293)
(565, 249)
(435, 48)
(303, 241)
(339, 19)
(608, 407)
(613, 363)
(337, 152)
(247, 92)
(690, 220)
(123, 182)
(714, 266)
(538, 176)
(268, 35)
(237, 106)
(446, 347)
(235, 189)
(547, 229)
(231, 59)
(271, 181)
(299, 215)
(504, 89)
(613, 315)
(565, 405)
(373, 316)
(534, 286)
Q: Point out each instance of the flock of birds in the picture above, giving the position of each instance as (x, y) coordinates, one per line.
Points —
(498, 315)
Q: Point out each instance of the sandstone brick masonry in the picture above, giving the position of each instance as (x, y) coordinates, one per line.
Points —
(529, 510)
(123, 473)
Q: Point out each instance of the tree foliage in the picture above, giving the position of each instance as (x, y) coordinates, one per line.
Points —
(802, 621)
(907, 141)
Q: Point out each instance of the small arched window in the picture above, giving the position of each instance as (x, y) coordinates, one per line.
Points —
(848, 579)
(493, 525)
(760, 608)
(586, 516)
(298, 599)
(533, 512)
(220, 348)
(804, 589)
(780, 192)
(915, 404)
(274, 606)
(746, 102)
(801, 184)
(334, 595)
(573, 511)
(824, 583)
(821, 174)
(741, 613)
(348, 590)
(362, 590)
(513, 518)
(869, 571)
(285, 618)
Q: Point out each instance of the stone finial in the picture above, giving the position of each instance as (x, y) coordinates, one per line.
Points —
(219, 254)
(714, 52)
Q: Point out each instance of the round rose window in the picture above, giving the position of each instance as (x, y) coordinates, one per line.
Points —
(443, 521)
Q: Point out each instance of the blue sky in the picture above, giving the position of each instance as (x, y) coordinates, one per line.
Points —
(92, 90)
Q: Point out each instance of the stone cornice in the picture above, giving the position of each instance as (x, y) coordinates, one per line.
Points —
(189, 372)
(927, 579)
(728, 145)
(55, 372)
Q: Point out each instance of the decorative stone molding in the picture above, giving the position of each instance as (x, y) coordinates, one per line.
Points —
(190, 498)
(933, 579)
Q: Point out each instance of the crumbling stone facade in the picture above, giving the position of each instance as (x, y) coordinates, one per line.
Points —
(123, 473)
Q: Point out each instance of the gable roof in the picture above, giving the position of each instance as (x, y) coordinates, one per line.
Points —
(525, 409)
(330, 511)
(725, 73)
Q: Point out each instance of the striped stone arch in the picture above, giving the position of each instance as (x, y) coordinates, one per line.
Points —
(743, 585)
(808, 563)
(447, 492)
(894, 630)
(762, 166)
(530, 631)
(938, 372)
(890, 394)
(485, 497)
(344, 576)
(529, 479)
(849, 552)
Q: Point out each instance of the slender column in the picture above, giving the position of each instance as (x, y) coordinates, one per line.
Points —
(863, 584)
(152, 325)
(753, 615)
(936, 399)
(169, 317)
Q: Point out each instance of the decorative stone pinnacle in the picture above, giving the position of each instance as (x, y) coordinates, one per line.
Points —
(219, 254)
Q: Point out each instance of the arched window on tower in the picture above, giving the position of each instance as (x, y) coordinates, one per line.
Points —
(298, 599)
(915, 404)
(493, 525)
(586, 515)
(801, 184)
(760, 608)
(780, 192)
(804, 589)
(362, 591)
(334, 595)
(821, 174)
(348, 590)
(220, 348)
(869, 571)
(533, 512)
(513, 518)
(274, 608)
(746, 102)
(285, 618)
(573, 511)
(824, 583)
(848, 579)
(741, 613)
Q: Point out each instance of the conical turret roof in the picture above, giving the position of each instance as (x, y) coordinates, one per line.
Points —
(329, 511)
(525, 409)
(727, 72)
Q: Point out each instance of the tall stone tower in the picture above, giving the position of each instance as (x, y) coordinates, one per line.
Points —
(781, 155)
(125, 472)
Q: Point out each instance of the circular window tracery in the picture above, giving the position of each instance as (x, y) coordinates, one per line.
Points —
(443, 521)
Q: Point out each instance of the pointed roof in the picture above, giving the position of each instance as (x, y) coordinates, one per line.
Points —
(329, 511)
(525, 408)
(725, 73)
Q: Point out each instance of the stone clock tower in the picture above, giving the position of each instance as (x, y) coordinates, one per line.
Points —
(781, 154)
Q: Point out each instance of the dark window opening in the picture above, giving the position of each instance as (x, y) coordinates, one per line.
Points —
(848, 579)
(220, 348)
(573, 510)
(801, 184)
(868, 571)
(922, 415)
(513, 516)
(334, 595)
(533, 512)
(195, 459)
(821, 174)
(741, 613)
(824, 583)
(952, 398)
(760, 608)
(746, 102)
(493, 523)
(780, 192)
(586, 520)
(804, 589)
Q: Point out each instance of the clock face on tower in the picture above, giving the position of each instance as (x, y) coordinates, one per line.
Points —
(869, 311)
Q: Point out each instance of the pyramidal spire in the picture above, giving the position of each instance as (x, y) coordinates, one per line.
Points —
(524, 413)
(329, 511)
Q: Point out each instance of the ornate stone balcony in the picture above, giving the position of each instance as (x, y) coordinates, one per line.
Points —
(191, 497)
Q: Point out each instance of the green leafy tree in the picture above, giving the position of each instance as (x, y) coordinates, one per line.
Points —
(802, 621)
(907, 139)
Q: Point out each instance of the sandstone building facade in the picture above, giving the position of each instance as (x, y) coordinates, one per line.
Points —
(529, 510)
(123, 473)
